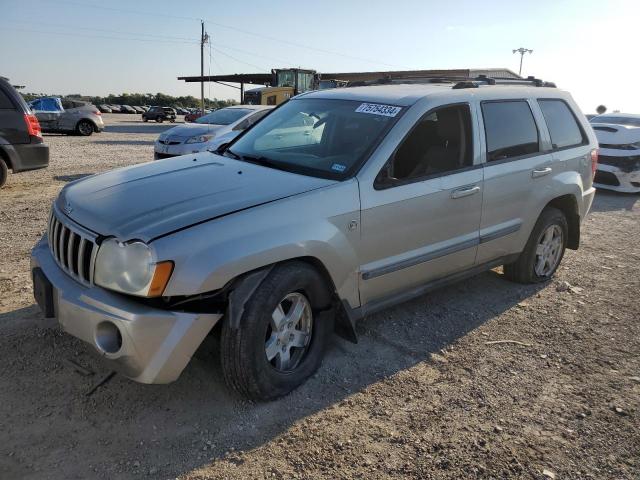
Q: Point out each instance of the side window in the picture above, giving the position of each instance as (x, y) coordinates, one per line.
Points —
(271, 100)
(562, 124)
(5, 102)
(35, 105)
(439, 143)
(510, 129)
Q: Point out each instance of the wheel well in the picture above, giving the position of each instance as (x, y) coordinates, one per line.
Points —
(568, 205)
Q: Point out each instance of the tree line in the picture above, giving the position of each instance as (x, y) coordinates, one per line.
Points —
(160, 99)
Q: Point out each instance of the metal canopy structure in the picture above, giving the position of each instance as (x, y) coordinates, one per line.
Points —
(267, 78)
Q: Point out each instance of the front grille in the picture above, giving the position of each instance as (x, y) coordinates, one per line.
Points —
(606, 178)
(169, 141)
(74, 252)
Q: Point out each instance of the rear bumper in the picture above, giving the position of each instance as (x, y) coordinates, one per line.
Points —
(146, 344)
(28, 156)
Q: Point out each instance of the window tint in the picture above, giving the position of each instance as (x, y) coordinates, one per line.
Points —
(439, 143)
(5, 101)
(563, 127)
(510, 129)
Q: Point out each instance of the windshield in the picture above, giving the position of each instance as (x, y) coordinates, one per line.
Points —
(224, 116)
(324, 138)
(630, 121)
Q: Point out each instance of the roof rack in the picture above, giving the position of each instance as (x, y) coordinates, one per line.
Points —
(485, 80)
(459, 82)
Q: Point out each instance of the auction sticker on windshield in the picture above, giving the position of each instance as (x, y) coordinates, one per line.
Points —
(378, 109)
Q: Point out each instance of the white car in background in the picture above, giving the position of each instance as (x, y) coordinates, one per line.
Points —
(619, 161)
(209, 131)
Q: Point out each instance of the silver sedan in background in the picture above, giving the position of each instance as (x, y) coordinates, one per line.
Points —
(209, 131)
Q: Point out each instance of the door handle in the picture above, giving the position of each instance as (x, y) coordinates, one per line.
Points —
(541, 173)
(465, 191)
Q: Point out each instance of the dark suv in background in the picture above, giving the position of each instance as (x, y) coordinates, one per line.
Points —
(159, 114)
(21, 145)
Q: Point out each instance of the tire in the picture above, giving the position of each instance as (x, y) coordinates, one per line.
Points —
(172, 120)
(145, 119)
(526, 269)
(245, 365)
(159, 119)
(4, 172)
(85, 128)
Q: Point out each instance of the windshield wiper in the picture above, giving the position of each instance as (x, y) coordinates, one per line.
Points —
(264, 161)
(232, 154)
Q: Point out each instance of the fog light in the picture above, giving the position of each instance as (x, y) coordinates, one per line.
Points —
(108, 337)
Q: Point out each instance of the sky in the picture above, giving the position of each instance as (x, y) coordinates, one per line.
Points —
(95, 47)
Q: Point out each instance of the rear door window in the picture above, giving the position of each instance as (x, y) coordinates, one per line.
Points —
(563, 127)
(510, 130)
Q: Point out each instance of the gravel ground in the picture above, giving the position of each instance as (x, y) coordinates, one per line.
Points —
(423, 395)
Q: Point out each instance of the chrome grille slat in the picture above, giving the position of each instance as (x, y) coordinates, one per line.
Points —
(70, 246)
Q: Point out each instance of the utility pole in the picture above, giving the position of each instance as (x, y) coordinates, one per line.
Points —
(522, 51)
(204, 37)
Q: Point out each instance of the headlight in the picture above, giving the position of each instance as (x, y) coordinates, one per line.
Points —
(199, 139)
(131, 268)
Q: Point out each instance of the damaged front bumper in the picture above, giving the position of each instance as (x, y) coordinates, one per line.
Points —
(618, 172)
(148, 345)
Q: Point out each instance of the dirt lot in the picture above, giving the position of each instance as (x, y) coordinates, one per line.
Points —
(423, 395)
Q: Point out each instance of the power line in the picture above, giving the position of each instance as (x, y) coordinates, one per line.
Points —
(262, 69)
(247, 32)
(119, 32)
(68, 34)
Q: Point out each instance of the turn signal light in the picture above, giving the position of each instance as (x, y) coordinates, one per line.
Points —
(160, 278)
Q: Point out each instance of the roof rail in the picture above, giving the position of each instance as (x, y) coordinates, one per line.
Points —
(459, 82)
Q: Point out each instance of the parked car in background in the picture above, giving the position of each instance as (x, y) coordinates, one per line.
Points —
(127, 109)
(208, 132)
(182, 111)
(21, 144)
(619, 161)
(159, 114)
(104, 108)
(58, 115)
(115, 108)
(194, 115)
(338, 204)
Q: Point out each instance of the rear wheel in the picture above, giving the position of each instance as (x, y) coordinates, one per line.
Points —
(84, 128)
(280, 341)
(544, 250)
(145, 119)
(4, 172)
(159, 119)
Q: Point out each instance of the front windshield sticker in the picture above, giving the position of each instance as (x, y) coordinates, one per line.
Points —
(338, 167)
(377, 109)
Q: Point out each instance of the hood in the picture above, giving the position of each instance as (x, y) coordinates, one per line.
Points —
(614, 134)
(152, 199)
(190, 130)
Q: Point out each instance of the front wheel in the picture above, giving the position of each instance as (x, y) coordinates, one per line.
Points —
(281, 339)
(544, 250)
(84, 128)
(145, 119)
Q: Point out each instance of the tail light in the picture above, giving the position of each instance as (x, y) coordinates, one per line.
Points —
(594, 161)
(33, 126)
(98, 112)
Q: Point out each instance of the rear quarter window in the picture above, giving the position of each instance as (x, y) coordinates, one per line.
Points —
(563, 127)
(510, 129)
(5, 101)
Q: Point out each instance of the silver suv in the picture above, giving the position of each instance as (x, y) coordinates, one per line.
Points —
(63, 115)
(336, 205)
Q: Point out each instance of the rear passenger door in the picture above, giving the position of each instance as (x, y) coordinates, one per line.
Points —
(517, 175)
